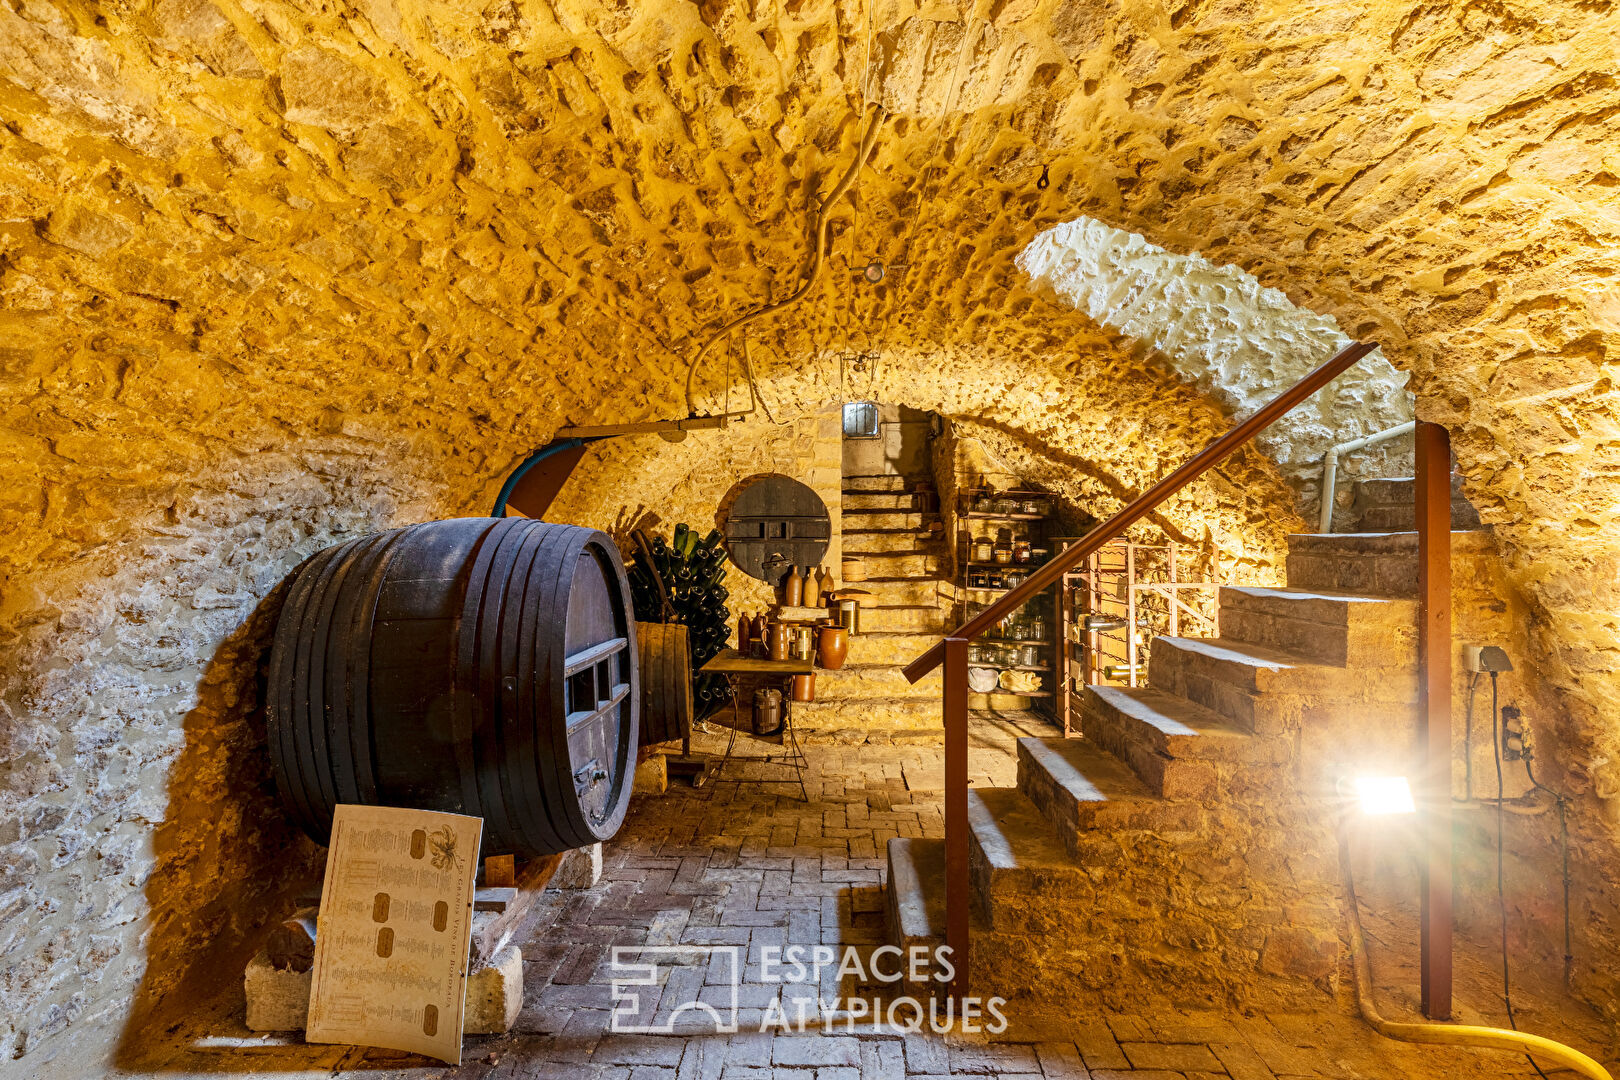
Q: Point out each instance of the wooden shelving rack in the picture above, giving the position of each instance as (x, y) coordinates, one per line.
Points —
(1018, 525)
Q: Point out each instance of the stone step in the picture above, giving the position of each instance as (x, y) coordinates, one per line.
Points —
(915, 897)
(1079, 787)
(1268, 691)
(1385, 505)
(1178, 748)
(1024, 879)
(853, 720)
(869, 647)
(908, 501)
(885, 482)
(1340, 629)
(864, 520)
(858, 681)
(925, 562)
(907, 540)
(899, 619)
(1253, 668)
(1377, 564)
(898, 592)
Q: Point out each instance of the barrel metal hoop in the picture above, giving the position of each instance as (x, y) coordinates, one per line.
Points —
(308, 785)
(468, 714)
(516, 773)
(322, 677)
(497, 812)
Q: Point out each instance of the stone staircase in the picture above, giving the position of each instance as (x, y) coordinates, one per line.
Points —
(1182, 850)
(869, 699)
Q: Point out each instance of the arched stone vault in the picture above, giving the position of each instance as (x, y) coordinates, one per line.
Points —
(271, 270)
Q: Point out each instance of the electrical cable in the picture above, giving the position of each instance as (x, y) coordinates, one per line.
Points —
(1468, 736)
(753, 386)
(817, 256)
(1563, 830)
(1501, 888)
(1448, 1034)
(906, 261)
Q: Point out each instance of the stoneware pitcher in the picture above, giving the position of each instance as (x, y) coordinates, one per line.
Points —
(832, 646)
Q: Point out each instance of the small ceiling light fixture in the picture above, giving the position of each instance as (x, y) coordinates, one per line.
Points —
(1383, 795)
(873, 272)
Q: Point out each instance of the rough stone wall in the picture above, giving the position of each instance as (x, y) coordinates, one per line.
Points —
(142, 839)
(1233, 338)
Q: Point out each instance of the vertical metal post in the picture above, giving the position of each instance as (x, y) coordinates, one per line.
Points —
(1130, 613)
(1065, 653)
(1094, 605)
(958, 888)
(1175, 595)
(1433, 510)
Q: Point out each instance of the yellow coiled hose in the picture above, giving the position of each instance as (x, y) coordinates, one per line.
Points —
(1450, 1034)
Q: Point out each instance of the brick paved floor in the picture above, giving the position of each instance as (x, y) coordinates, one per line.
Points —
(746, 864)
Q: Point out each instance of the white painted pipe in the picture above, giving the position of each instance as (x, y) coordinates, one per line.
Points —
(1330, 466)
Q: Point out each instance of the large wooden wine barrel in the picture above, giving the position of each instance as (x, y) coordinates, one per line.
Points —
(478, 665)
(666, 682)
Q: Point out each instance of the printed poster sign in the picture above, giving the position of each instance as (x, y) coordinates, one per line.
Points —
(392, 937)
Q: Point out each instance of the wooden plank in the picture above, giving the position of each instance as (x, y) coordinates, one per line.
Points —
(730, 661)
(492, 929)
(487, 899)
(500, 871)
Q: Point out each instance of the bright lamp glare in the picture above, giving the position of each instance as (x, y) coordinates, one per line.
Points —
(1384, 795)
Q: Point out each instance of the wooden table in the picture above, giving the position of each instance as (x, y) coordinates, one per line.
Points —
(733, 665)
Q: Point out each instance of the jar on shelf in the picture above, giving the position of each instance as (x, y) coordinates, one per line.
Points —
(1030, 656)
(1037, 628)
(1003, 553)
(984, 549)
(1020, 551)
(1039, 555)
(1032, 506)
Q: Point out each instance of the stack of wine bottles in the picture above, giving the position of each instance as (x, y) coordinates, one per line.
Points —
(693, 572)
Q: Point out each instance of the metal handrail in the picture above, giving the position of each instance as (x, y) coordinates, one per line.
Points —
(1206, 459)
(953, 651)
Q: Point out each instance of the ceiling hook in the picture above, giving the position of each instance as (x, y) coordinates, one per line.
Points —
(1045, 181)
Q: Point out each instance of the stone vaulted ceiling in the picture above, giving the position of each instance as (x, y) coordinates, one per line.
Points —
(451, 228)
(226, 223)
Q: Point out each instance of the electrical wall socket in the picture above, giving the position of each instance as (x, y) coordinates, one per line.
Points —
(1514, 733)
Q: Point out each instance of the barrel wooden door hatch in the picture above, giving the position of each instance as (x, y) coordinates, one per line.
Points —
(479, 666)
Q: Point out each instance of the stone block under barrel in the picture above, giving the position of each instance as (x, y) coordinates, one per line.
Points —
(483, 666)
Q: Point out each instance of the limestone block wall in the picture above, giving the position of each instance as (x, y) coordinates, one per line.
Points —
(656, 484)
